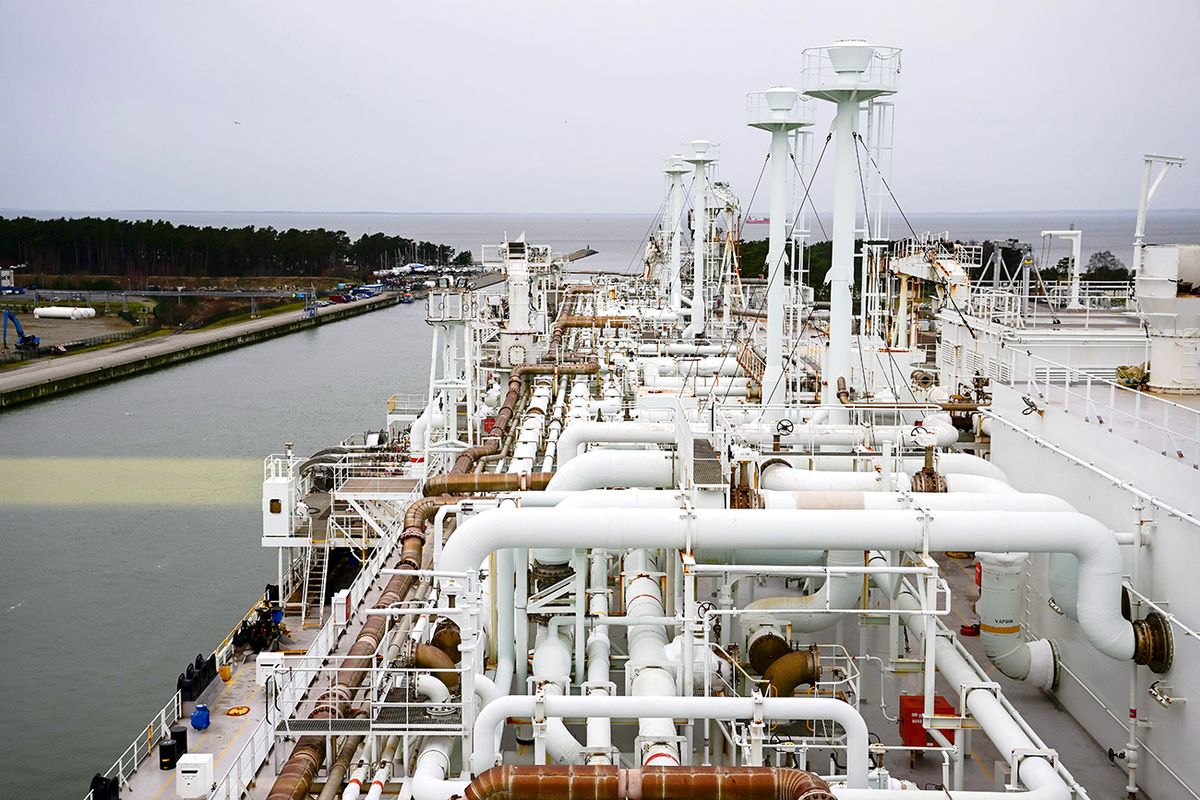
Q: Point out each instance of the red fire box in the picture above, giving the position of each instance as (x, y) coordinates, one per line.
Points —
(912, 706)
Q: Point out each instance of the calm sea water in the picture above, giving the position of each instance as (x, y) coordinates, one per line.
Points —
(101, 603)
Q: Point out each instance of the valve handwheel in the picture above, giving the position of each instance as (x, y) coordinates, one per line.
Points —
(785, 426)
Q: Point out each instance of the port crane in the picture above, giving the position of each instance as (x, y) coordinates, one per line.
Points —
(24, 341)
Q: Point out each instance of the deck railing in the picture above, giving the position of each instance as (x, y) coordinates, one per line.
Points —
(142, 746)
(1169, 428)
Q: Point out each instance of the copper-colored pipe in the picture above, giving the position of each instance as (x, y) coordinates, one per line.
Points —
(766, 650)
(648, 783)
(296, 777)
(593, 321)
(487, 482)
(843, 394)
(465, 461)
(440, 664)
(797, 668)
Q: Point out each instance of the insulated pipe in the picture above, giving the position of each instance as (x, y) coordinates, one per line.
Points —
(838, 592)
(552, 671)
(648, 656)
(1092, 544)
(578, 434)
(1036, 773)
(1001, 594)
(597, 469)
(429, 774)
(599, 654)
(777, 476)
(465, 460)
(337, 773)
(489, 482)
(297, 774)
(783, 709)
(886, 501)
(853, 435)
(649, 783)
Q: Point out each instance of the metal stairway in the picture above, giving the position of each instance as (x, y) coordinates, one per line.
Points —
(315, 578)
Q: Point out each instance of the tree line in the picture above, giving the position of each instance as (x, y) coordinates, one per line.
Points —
(91, 245)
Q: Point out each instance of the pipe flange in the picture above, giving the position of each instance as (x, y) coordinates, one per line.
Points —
(1154, 645)
(549, 574)
(928, 480)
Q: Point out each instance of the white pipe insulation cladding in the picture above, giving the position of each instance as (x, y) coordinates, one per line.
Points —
(676, 707)
(1100, 562)
(1001, 599)
(577, 434)
(600, 469)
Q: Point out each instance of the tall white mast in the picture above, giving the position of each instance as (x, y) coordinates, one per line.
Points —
(780, 111)
(676, 169)
(848, 73)
(699, 157)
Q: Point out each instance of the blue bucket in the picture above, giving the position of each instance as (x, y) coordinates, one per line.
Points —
(200, 719)
(277, 616)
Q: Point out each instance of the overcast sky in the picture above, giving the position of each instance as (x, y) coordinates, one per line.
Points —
(569, 107)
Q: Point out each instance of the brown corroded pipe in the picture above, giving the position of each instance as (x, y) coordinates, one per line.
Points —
(438, 663)
(766, 650)
(725, 783)
(465, 461)
(843, 394)
(574, 782)
(448, 638)
(648, 783)
(296, 777)
(797, 668)
(487, 482)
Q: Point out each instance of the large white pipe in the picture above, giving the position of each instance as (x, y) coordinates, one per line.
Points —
(1099, 556)
(945, 463)
(1036, 773)
(552, 670)
(675, 707)
(1001, 597)
(838, 592)
(506, 589)
(577, 434)
(944, 433)
(429, 774)
(599, 729)
(781, 477)
(598, 469)
(887, 501)
(648, 655)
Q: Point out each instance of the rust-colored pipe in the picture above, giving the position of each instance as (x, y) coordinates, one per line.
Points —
(593, 321)
(440, 664)
(797, 668)
(487, 482)
(296, 777)
(766, 650)
(648, 783)
(465, 461)
(843, 394)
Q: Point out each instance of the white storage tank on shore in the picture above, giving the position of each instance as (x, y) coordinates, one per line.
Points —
(63, 312)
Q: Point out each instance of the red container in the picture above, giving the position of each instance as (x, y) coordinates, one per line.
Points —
(912, 706)
(488, 424)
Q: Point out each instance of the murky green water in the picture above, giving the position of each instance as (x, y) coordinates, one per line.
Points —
(102, 603)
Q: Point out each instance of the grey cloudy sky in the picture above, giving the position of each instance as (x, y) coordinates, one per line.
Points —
(541, 106)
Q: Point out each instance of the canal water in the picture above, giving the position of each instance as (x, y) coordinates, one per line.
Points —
(130, 523)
